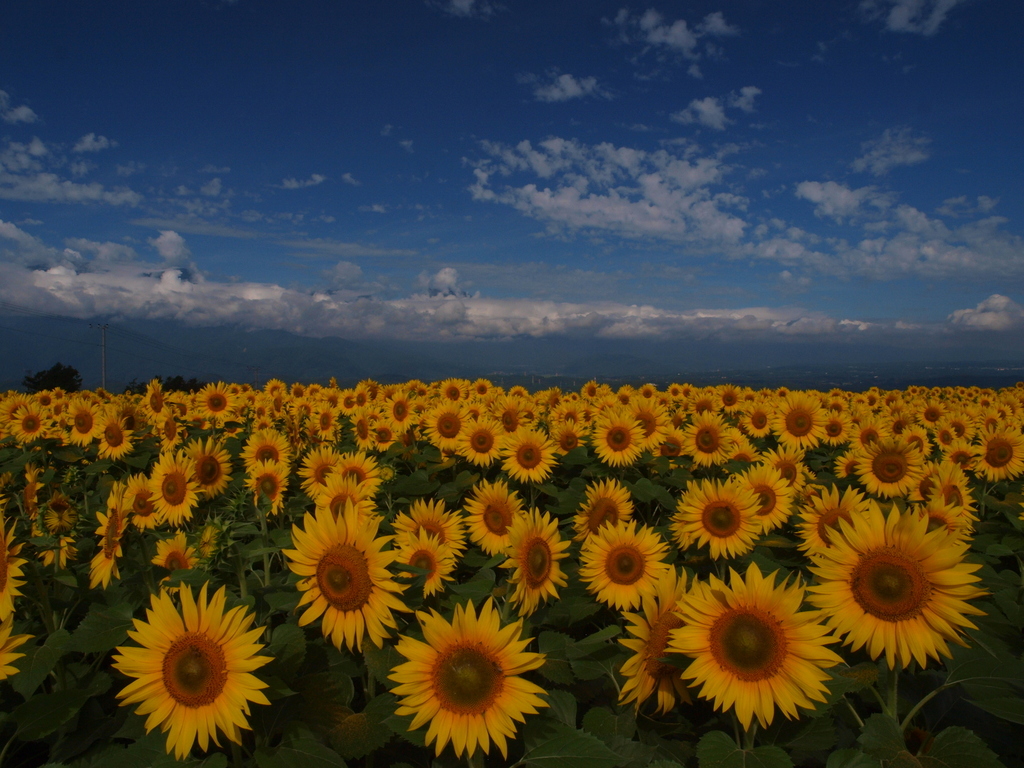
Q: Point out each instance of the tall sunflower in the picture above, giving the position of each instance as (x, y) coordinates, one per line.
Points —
(111, 527)
(534, 549)
(215, 401)
(607, 503)
(212, 466)
(619, 563)
(115, 439)
(139, 496)
(753, 649)
(268, 480)
(890, 585)
(772, 491)
(10, 569)
(799, 421)
(422, 550)
(82, 420)
(820, 515)
(174, 554)
(721, 516)
(432, 518)
(889, 467)
(344, 577)
(465, 680)
(443, 425)
(617, 437)
(8, 644)
(646, 674)
(490, 510)
(529, 456)
(266, 445)
(1000, 454)
(342, 489)
(479, 441)
(193, 671)
(708, 439)
(173, 488)
(317, 466)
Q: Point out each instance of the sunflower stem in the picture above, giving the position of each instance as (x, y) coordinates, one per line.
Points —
(853, 712)
(7, 746)
(748, 736)
(917, 707)
(476, 760)
(44, 600)
(236, 755)
(892, 694)
(265, 540)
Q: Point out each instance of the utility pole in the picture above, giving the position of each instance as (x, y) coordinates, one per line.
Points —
(255, 371)
(103, 352)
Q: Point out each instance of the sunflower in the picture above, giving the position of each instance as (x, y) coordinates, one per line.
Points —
(960, 452)
(619, 563)
(673, 443)
(154, 400)
(29, 423)
(173, 488)
(941, 514)
(30, 493)
(345, 578)
(479, 441)
(772, 491)
(443, 425)
(139, 498)
(266, 445)
(60, 516)
(422, 550)
(567, 436)
(529, 456)
(534, 549)
(324, 422)
(646, 674)
(319, 464)
(1000, 454)
(212, 466)
(490, 511)
(363, 468)
(607, 503)
(708, 439)
(756, 418)
(115, 439)
(510, 412)
(653, 418)
(8, 644)
(950, 484)
(81, 415)
(215, 401)
(432, 518)
(170, 431)
(268, 479)
(10, 569)
(837, 428)
(890, 584)
(790, 462)
(799, 421)
(753, 649)
(175, 554)
(111, 527)
(398, 412)
(617, 437)
(193, 669)
(820, 516)
(465, 680)
(64, 552)
(867, 430)
(722, 516)
(340, 490)
(889, 467)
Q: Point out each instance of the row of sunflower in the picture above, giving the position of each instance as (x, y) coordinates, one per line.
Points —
(420, 572)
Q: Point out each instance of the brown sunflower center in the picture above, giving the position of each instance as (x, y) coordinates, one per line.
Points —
(343, 576)
(320, 473)
(834, 428)
(648, 422)
(482, 441)
(603, 510)
(889, 466)
(268, 486)
(83, 422)
(568, 440)
(768, 498)
(708, 439)
(828, 521)
(448, 426)
(537, 562)
(209, 470)
(113, 435)
(497, 518)
(889, 585)
(528, 456)
(748, 643)
(267, 453)
(799, 422)
(952, 495)
(759, 420)
(421, 558)
(618, 438)
(998, 452)
(656, 643)
(194, 670)
(624, 564)
(399, 410)
(721, 518)
(217, 403)
(31, 423)
(467, 679)
(173, 488)
(176, 561)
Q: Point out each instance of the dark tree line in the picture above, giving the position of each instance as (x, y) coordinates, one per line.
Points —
(63, 376)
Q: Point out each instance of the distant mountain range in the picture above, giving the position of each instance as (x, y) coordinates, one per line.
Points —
(141, 350)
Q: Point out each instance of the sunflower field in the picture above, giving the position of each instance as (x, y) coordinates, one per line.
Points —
(457, 573)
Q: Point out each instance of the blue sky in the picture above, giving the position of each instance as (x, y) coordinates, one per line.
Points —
(464, 169)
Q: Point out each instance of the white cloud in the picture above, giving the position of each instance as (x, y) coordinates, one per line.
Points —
(955, 207)
(130, 168)
(215, 170)
(103, 253)
(839, 202)
(19, 114)
(631, 192)
(172, 248)
(652, 29)
(375, 208)
(708, 112)
(896, 146)
(23, 176)
(93, 143)
(212, 188)
(406, 144)
(564, 87)
(996, 313)
(348, 178)
(312, 181)
(923, 17)
(467, 9)
(744, 100)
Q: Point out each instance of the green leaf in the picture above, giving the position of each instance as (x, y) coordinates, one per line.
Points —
(882, 738)
(416, 484)
(38, 662)
(957, 747)
(560, 746)
(104, 627)
(716, 749)
(42, 715)
(288, 647)
(360, 733)
(602, 722)
(306, 752)
(478, 588)
(1007, 707)
(563, 707)
(380, 661)
(851, 758)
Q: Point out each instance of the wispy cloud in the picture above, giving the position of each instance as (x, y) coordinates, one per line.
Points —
(996, 313)
(710, 111)
(312, 181)
(896, 146)
(564, 87)
(466, 9)
(19, 114)
(923, 17)
(93, 143)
